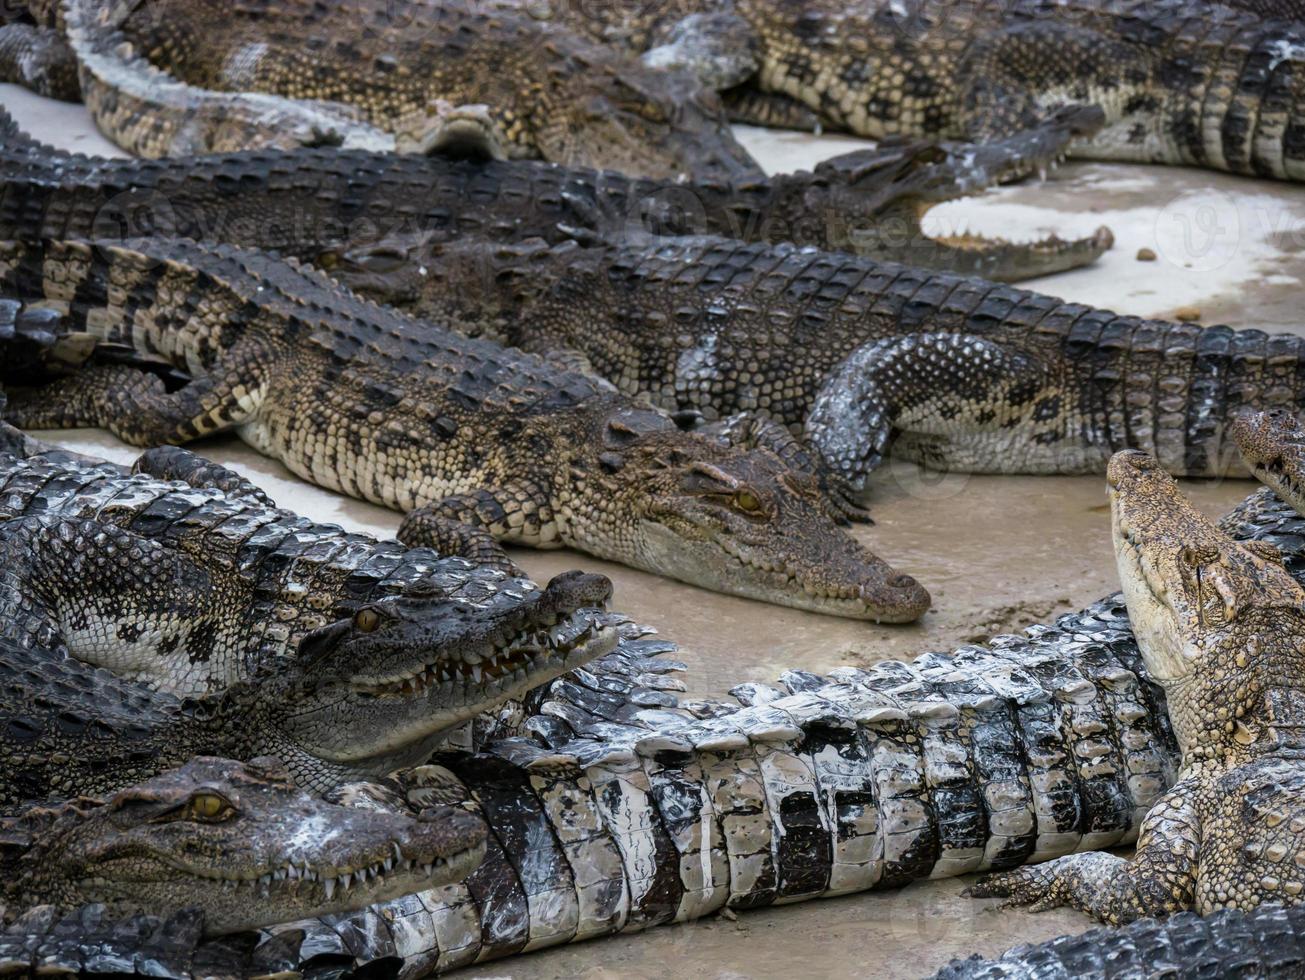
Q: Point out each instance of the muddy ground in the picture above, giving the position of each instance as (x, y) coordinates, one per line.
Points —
(998, 553)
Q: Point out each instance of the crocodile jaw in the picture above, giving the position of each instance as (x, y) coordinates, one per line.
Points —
(374, 726)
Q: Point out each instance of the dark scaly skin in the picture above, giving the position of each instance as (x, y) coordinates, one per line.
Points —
(854, 356)
(1219, 624)
(38, 58)
(1267, 942)
(457, 433)
(237, 841)
(1180, 82)
(306, 202)
(171, 77)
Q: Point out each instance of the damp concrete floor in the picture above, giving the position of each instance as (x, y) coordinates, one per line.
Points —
(998, 553)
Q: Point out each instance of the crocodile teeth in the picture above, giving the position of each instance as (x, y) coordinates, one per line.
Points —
(329, 885)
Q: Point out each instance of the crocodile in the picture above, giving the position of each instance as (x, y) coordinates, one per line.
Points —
(1266, 942)
(476, 443)
(237, 841)
(856, 358)
(309, 202)
(410, 650)
(185, 76)
(1203, 84)
(1219, 624)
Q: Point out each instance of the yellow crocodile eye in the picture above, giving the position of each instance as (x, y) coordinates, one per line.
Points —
(328, 260)
(746, 501)
(367, 620)
(210, 808)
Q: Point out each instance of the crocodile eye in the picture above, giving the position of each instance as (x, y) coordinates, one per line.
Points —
(367, 620)
(328, 260)
(746, 501)
(1196, 557)
(209, 808)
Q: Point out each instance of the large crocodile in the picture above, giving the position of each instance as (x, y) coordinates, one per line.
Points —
(472, 440)
(309, 202)
(1180, 82)
(190, 76)
(855, 355)
(1220, 625)
(237, 841)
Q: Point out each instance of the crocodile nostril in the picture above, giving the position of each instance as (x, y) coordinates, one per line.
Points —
(903, 582)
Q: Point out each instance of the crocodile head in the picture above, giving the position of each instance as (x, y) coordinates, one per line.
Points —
(874, 201)
(379, 685)
(740, 522)
(238, 841)
(1272, 445)
(1220, 623)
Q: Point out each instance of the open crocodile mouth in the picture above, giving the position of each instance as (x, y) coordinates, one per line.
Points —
(576, 639)
(1276, 473)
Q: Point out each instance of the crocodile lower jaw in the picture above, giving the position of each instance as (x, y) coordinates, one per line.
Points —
(548, 650)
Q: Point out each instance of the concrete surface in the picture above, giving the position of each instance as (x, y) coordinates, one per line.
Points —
(998, 553)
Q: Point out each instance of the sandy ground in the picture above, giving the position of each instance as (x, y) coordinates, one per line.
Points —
(998, 553)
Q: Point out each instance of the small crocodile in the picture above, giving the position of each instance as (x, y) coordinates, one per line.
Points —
(186, 76)
(308, 202)
(1267, 942)
(476, 443)
(1180, 82)
(854, 356)
(238, 841)
(1219, 624)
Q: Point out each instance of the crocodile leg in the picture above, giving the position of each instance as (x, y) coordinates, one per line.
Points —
(136, 406)
(461, 526)
(1159, 881)
(39, 59)
(174, 463)
(930, 387)
(748, 430)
